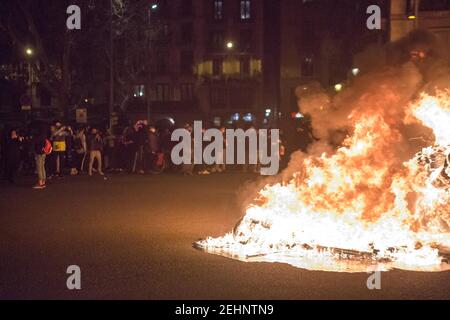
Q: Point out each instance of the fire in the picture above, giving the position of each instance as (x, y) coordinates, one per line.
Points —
(360, 208)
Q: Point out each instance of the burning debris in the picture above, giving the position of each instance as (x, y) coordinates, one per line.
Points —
(380, 201)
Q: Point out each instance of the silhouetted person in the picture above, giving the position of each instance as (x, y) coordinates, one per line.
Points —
(12, 156)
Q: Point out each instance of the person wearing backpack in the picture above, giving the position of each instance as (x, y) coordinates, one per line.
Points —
(42, 148)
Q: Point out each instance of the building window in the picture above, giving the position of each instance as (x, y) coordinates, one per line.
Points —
(245, 66)
(217, 67)
(187, 62)
(217, 40)
(187, 93)
(139, 91)
(161, 60)
(218, 9)
(245, 42)
(162, 92)
(307, 67)
(431, 5)
(246, 8)
(163, 36)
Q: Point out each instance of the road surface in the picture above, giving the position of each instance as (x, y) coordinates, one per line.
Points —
(132, 238)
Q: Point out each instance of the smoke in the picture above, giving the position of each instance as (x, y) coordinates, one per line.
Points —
(404, 69)
(391, 78)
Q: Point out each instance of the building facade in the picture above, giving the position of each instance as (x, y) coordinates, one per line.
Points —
(319, 40)
(432, 15)
(224, 61)
(206, 62)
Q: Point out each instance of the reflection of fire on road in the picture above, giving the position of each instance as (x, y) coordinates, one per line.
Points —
(361, 207)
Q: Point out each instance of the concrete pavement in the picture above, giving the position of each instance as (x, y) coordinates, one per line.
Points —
(132, 237)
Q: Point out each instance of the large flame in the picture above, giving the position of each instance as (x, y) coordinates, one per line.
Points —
(359, 208)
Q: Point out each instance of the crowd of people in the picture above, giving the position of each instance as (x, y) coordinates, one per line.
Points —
(54, 151)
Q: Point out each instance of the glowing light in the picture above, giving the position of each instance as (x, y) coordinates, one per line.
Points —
(248, 117)
(412, 17)
(338, 87)
(230, 45)
(29, 51)
(297, 115)
(355, 71)
(352, 202)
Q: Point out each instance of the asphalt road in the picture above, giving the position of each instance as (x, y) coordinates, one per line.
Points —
(132, 237)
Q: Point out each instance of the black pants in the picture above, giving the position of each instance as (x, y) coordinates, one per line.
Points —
(11, 169)
(150, 159)
(78, 161)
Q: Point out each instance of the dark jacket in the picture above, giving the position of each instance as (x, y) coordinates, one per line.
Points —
(95, 143)
(153, 143)
(39, 144)
(12, 150)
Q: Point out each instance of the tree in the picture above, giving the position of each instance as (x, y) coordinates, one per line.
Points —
(59, 53)
(27, 25)
(136, 25)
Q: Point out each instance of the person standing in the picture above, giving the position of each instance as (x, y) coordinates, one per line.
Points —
(59, 147)
(12, 156)
(188, 169)
(219, 168)
(151, 148)
(42, 148)
(141, 139)
(96, 148)
(110, 149)
(131, 148)
(80, 148)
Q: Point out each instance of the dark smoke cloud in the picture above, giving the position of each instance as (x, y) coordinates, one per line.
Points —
(403, 69)
(392, 77)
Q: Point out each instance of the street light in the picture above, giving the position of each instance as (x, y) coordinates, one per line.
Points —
(154, 6)
(338, 87)
(29, 52)
(230, 45)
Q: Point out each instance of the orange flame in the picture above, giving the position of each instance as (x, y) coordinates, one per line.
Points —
(360, 201)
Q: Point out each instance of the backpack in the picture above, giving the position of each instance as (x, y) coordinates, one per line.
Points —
(160, 158)
(47, 147)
